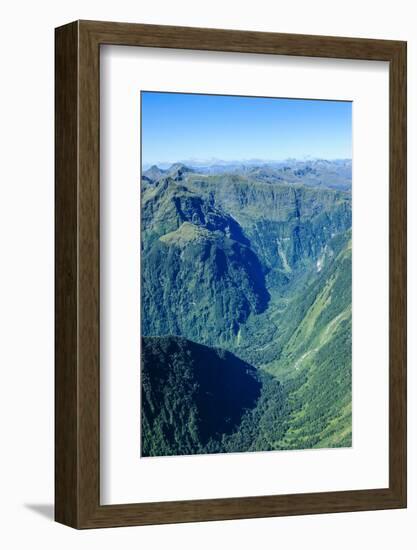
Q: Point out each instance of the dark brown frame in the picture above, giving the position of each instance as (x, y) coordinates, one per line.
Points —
(77, 274)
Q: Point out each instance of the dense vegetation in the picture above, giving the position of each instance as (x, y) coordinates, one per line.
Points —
(258, 265)
(197, 399)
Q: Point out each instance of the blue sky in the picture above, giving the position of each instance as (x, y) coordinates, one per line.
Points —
(180, 127)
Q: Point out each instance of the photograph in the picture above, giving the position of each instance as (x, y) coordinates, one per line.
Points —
(246, 274)
(209, 275)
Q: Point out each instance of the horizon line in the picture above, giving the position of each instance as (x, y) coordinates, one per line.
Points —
(213, 161)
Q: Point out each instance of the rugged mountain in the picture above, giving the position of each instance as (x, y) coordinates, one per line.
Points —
(200, 278)
(264, 271)
(178, 171)
(215, 248)
(153, 174)
(331, 174)
(314, 173)
(288, 226)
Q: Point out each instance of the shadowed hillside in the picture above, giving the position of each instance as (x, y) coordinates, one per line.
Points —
(198, 399)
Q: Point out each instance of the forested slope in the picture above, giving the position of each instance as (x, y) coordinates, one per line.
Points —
(261, 269)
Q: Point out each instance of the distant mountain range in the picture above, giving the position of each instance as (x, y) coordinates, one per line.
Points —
(246, 307)
(334, 174)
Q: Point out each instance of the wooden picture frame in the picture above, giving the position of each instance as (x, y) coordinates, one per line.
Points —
(77, 382)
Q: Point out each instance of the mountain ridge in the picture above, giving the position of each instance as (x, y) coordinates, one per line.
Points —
(262, 270)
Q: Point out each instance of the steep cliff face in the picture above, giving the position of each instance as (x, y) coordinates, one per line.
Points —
(214, 250)
(200, 277)
(288, 226)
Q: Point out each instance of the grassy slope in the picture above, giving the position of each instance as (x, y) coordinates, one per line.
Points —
(316, 361)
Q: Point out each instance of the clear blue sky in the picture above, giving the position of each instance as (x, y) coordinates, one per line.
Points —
(178, 127)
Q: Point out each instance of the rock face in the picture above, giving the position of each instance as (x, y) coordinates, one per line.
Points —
(254, 263)
(298, 220)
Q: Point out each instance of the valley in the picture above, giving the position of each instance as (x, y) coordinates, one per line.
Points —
(246, 307)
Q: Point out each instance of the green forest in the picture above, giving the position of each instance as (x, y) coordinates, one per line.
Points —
(246, 309)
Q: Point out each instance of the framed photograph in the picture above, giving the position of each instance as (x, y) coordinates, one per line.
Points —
(230, 274)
